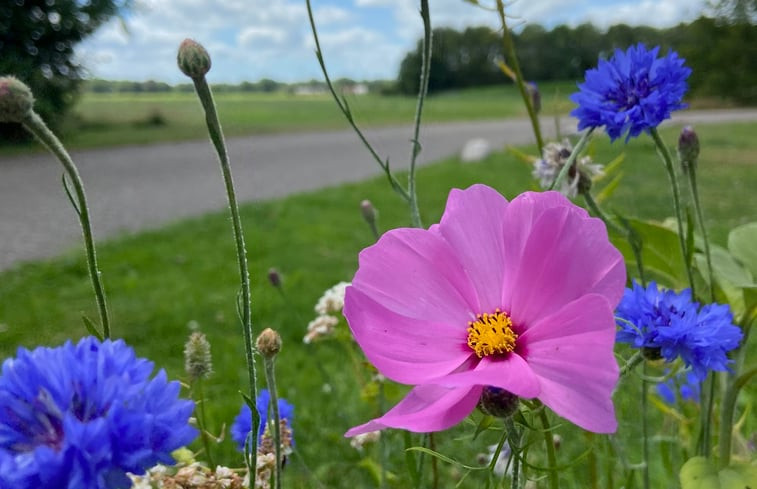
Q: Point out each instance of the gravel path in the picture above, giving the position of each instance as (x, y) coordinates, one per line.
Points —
(136, 188)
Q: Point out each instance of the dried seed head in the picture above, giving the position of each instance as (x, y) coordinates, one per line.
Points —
(269, 343)
(197, 360)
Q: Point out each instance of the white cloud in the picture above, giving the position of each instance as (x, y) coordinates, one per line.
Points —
(251, 39)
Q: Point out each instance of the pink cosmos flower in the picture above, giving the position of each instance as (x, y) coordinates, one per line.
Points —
(514, 295)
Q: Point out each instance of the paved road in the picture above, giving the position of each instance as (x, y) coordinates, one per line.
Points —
(136, 188)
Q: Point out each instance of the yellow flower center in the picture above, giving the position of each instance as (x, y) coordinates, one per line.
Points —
(491, 334)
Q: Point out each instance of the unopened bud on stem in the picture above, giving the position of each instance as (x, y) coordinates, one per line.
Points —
(16, 100)
(268, 343)
(274, 277)
(193, 59)
(368, 211)
(688, 148)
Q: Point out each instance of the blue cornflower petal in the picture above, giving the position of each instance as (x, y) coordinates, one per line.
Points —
(81, 416)
(674, 326)
(632, 92)
(243, 421)
(685, 384)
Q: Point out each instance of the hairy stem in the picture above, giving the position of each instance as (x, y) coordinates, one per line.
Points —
(35, 125)
(415, 215)
(554, 481)
(270, 377)
(216, 136)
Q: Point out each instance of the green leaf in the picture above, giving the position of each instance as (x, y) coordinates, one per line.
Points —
(741, 243)
(608, 189)
(701, 473)
(92, 327)
(660, 253)
(486, 422)
(446, 459)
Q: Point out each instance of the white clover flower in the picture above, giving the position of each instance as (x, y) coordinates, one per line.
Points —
(554, 157)
(320, 327)
(359, 441)
(332, 299)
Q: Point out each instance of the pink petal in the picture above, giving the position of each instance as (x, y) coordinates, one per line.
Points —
(414, 273)
(509, 372)
(571, 352)
(473, 224)
(406, 350)
(567, 255)
(425, 408)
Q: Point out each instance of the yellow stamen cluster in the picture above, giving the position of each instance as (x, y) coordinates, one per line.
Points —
(491, 334)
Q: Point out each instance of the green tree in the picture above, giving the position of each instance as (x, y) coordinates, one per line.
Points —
(37, 41)
(735, 11)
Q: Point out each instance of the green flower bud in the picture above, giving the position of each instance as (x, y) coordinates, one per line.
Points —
(193, 59)
(688, 148)
(16, 100)
(268, 343)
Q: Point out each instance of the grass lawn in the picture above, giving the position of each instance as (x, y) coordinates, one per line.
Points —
(161, 284)
(100, 120)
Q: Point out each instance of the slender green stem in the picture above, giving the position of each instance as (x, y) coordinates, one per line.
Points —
(572, 158)
(216, 136)
(632, 362)
(415, 215)
(201, 420)
(554, 481)
(691, 172)
(668, 163)
(434, 463)
(707, 418)
(513, 437)
(270, 377)
(382, 438)
(35, 125)
(509, 47)
(644, 429)
(726, 413)
(344, 108)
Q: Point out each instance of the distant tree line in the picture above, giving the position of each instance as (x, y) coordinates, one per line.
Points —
(264, 85)
(723, 55)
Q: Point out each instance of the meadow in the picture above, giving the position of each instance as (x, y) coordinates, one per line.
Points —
(112, 119)
(164, 284)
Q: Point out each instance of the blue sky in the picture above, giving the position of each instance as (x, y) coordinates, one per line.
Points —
(361, 39)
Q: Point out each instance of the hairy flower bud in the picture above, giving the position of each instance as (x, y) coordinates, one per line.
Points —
(16, 100)
(274, 277)
(688, 148)
(197, 360)
(193, 59)
(498, 402)
(368, 211)
(268, 343)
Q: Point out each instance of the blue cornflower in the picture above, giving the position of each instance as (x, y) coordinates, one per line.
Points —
(671, 325)
(632, 92)
(243, 422)
(81, 416)
(685, 384)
